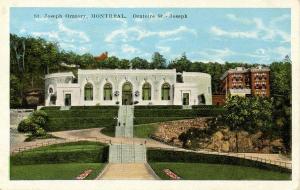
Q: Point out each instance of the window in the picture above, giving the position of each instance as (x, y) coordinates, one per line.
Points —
(146, 95)
(107, 91)
(50, 90)
(88, 91)
(165, 91)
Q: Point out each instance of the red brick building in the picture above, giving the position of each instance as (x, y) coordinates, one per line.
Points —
(246, 82)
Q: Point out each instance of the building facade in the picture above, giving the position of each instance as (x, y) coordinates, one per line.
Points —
(127, 87)
(245, 82)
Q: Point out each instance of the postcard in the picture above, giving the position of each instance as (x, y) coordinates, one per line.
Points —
(148, 96)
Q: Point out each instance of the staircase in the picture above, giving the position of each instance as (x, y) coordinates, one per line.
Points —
(124, 127)
(127, 153)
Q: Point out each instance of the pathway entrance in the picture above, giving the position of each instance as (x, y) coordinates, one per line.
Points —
(127, 171)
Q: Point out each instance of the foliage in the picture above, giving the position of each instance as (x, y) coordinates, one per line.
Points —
(139, 63)
(158, 61)
(180, 64)
(281, 90)
(36, 123)
(248, 113)
(81, 117)
(80, 152)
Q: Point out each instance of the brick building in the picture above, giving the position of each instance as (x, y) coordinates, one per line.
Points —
(245, 82)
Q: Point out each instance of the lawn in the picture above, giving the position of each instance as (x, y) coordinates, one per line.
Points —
(203, 171)
(66, 171)
(144, 130)
(140, 131)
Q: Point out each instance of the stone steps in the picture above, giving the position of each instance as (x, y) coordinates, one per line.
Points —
(127, 153)
(125, 119)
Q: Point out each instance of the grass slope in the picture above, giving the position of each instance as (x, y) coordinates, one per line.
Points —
(139, 131)
(143, 131)
(66, 171)
(204, 171)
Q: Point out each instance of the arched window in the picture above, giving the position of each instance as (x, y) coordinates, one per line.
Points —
(88, 91)
(146, 95)
(107, 91)
(165, 91)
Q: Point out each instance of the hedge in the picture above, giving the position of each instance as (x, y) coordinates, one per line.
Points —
(81, 117)
(159, 155)
(158, 107)
(48, 156)
(178, 113)
(206, 106)
(50, 108)
(61, 124)
(80, 107)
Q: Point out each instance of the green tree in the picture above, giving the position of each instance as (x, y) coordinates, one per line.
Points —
(180, 64)
(139, 63)
(158, 61)
(248, 113)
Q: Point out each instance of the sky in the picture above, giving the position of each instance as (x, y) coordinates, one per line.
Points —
(234, 35)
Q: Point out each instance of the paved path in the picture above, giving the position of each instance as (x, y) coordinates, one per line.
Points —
(126, 171)
(95, 133)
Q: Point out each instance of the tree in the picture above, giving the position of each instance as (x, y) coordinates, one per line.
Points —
(180, 64)
(124, 64)
(280, 78)
(281, 91)
(158, 61)
(247, 113)
(139, 63)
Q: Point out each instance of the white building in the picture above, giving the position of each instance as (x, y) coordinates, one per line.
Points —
(140, 87)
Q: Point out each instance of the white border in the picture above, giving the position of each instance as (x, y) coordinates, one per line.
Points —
(138, 185)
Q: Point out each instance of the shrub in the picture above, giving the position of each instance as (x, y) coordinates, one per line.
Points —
(26, 126)
(81, 117)
(36, 121)
(58, 154)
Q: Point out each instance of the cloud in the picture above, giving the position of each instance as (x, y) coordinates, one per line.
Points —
(66, 37)
(22, 31)
(138, 33)
(53, 36)
(214, 55)
(233, 34)
(123, 21)
(81, 36)
(129, 49)
(265, 31)
(267, 55)
(163, 49)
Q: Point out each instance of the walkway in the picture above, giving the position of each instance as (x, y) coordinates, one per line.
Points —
(126, 171)
(124, 127)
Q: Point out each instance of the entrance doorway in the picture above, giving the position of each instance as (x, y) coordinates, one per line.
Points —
(186, 99)
(127, 93)
(67, 99)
